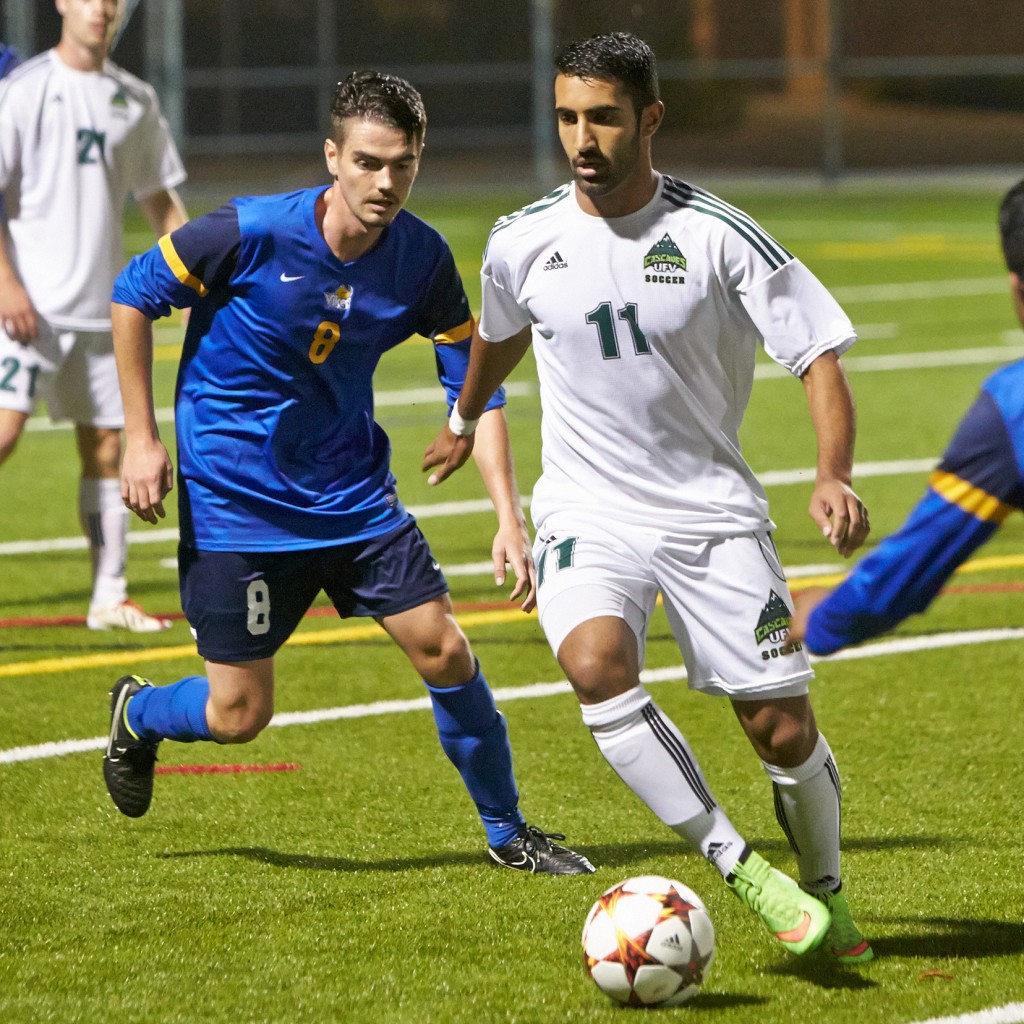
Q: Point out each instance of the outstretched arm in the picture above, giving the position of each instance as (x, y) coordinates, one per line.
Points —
(976, 486)
(493, 456)
(164, 211)
(489, 364)
(146, 472)
(835, 507)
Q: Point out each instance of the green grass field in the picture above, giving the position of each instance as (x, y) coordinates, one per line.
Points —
(356, 888)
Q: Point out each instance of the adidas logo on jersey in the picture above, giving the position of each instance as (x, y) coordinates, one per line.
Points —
(555, 262)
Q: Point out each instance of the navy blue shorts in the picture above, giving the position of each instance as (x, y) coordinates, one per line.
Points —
(243, 605)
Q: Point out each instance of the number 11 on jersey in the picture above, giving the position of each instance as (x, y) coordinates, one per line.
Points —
(602, 319)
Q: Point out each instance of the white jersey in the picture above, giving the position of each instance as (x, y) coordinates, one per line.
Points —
(645, 330)
(73, 146)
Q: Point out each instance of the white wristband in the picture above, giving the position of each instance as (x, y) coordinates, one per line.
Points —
(458, 426)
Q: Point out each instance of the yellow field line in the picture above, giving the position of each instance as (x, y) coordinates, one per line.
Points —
(340, 635)
(348, 634)
(974, 565)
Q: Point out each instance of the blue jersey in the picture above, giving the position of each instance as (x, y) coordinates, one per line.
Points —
(278, 448)
(978, 483)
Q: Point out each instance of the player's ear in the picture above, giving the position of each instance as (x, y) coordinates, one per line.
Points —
(331, 156)
(651, 117)
(1017, 288)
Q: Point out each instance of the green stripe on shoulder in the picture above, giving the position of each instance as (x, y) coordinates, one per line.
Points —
(545, 203)
(681, 194)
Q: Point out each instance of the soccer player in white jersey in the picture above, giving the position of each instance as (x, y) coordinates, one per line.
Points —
(78, 134)
(645, 300)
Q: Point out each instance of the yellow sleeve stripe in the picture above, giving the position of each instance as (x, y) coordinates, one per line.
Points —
(966, 496)
(178, 269)
(456, 334)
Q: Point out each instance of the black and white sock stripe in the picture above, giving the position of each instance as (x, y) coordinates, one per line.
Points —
(678, 752)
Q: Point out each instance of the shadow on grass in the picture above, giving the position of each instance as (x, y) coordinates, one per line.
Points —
(309, 862)
(947, 938)
(722, 1001)
(821, 970)
(618, 856)
(622, 855)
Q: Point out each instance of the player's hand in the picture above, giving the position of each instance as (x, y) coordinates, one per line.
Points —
(804, 602)
(512, 548)
(146, 478)
(840, 514)
(448, 452)
(18, 316)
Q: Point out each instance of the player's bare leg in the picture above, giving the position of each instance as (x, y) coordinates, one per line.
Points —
(808, 802)
(105, 524)
(601, 659)
(232, 703)
(474, 736)
(12, 424)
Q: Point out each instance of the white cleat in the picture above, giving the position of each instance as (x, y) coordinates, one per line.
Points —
(126, 615)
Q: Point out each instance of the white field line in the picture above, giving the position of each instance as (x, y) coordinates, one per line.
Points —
(1012, 349)
(1011, 1013)
(905, 645)
(771, 478)
(920, 290)
(381, 399)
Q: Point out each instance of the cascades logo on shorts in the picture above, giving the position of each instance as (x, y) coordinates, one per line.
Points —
(774, 621)
(340, 299)
(664, 263)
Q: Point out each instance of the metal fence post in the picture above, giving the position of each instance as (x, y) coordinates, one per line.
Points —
(832, 109)
(543, 54)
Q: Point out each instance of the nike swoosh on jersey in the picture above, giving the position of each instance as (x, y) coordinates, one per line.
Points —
(297, 277)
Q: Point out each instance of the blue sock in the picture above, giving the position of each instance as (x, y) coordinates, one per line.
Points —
(474, 736)
(175, 712)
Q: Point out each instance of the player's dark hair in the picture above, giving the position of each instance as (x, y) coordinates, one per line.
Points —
(614, 57)
(1011, 228)
(379, 97)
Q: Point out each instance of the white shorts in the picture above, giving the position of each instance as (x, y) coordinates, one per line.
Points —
(72, 371)
(726, 600)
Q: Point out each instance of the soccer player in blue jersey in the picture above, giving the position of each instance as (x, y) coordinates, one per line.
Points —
(978, 483)
(285, 487)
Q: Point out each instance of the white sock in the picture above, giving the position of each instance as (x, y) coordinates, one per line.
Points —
(105, 522)
(808, 803)
(650, 755)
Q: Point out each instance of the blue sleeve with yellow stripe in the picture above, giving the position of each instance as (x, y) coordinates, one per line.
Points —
(975, 487)
(451, 340)
(183, 266)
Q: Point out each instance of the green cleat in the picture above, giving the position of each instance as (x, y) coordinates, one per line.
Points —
(798, 920)
(844, 938)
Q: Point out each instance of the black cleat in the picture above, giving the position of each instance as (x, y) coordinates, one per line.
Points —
(128, 762)
(532, 850)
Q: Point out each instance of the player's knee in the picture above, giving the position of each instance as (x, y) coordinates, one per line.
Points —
(782, 740)
(9, 436)
(7, 446)
(597, 676)
(449, 662)
(240, 723)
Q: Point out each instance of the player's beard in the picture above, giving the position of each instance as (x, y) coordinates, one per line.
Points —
(617, 168)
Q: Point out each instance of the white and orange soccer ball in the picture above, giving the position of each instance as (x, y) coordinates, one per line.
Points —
(649, 941)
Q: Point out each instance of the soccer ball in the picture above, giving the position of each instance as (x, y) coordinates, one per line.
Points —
(648, 941)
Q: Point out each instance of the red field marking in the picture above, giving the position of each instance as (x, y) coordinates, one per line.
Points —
(224, 769)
